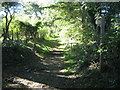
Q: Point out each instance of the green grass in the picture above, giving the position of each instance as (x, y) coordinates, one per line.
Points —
(22, 55)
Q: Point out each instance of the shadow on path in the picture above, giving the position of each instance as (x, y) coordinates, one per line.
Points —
(48, 71)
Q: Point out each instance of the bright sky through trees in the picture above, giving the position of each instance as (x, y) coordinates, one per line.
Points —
(43, 2)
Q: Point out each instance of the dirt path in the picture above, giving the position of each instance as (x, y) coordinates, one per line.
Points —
(44, 73)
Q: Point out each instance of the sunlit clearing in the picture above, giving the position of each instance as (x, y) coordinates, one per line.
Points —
(1, 39)
(69, 76)
(43, 2)
(69, 61)
(63, 71)
(63, 37)
(14, 85)
(28, 83)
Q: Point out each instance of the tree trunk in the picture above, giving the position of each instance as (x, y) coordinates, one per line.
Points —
(7, 24)
(12, 35)
(102, 31)
(17, 34)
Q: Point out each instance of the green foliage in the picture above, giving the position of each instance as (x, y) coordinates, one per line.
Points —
(8, 5)
(74, 24)
(85, 33)
(43, 32)
(18, 58)
(22, 51)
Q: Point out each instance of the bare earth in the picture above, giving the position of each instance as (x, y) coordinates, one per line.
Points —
(41, 73)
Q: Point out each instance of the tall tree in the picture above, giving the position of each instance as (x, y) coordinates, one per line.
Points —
(9, 10)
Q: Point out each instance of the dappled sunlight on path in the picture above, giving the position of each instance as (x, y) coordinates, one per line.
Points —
(46, 73)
